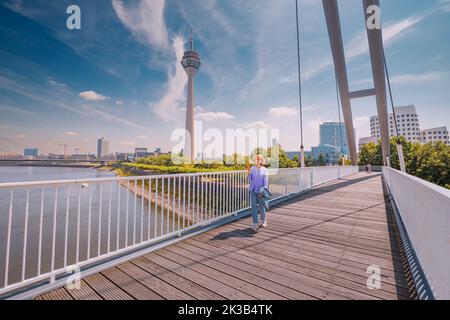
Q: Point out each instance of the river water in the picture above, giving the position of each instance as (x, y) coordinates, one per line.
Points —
(109, 216)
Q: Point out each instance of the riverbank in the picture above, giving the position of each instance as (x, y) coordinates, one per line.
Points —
(165, 202)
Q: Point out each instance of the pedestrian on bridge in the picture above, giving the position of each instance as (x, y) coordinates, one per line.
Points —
(258, 178)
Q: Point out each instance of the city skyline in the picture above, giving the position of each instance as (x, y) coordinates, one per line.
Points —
(120, 75)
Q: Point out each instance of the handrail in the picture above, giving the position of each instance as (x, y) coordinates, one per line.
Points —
(55, 226)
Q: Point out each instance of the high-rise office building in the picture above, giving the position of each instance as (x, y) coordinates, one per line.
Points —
(191, 63)
(435, 135)
(366, 140)
(30, 152)
(334, 134)
(102, 148)
(407, 122)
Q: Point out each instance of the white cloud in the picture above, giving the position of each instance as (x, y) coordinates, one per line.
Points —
(119, 102)
(283, 112)
(214, 116)
(142, 137)
(71, 133)
(417, 78)
(16, 110)
(168, 108)
(55, 83)
(92, 95)
(127, 143)
(110, 116)
(358, 45)
(445, 5)
(145, 21)
(257, 125)
(21, 136)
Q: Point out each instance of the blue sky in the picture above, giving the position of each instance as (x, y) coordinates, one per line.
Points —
(120, 76)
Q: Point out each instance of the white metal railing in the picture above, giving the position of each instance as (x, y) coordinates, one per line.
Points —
(425, 212)
(47, 227)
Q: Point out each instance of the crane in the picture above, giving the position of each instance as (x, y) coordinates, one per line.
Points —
(65, 148)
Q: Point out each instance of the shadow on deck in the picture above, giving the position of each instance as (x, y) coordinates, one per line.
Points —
(317, 246)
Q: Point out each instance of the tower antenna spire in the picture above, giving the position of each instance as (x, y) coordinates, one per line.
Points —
(191, 40)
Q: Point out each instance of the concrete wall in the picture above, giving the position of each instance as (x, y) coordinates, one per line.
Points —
(425, 210)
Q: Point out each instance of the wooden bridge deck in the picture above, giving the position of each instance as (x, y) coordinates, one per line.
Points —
(316, 246)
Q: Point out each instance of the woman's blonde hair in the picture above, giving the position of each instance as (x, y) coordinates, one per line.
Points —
(258, 156)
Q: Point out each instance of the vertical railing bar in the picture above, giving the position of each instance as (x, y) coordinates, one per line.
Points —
(184, 201)
(189, 221)
(100, 221)
(25, 236)
(162, 205)
(66, 232)
(135, 211)
(218, 195)
(127, 213)
(77, 255)
(142, 210)
(54, 229)
(223, 202)
(209, 195)
(239, 191)
(168, 206)
(213, 209)
(156, 208)
(173, 204)
(149, 207)
(228, 193)
(108, 246)
(89, 224)
(119, 187)
(233, 191)
(8, 238)
(201, 199)
(41, 221)
(179, 202)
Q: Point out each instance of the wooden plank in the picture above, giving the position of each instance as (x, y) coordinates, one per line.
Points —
(249, 263)
(85, 292)
(348, 280)
(205, 281)
(106, 289)
(130, 285)
(195, 290)
(57, 294)
(289, 247)
(154, 283)
(260, 287)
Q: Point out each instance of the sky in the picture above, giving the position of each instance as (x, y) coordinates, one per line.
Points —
(120, 77)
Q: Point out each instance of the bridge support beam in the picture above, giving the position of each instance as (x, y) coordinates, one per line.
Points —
(334, 31)
(376, 50)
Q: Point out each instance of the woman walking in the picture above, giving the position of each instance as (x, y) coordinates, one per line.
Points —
(258, 177)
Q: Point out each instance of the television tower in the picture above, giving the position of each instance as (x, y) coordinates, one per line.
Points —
(191, 63)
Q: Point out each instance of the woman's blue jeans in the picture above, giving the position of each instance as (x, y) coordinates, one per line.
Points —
(256, 204)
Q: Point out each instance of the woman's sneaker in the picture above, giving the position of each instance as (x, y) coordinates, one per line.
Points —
(255, 227)
(262, 224)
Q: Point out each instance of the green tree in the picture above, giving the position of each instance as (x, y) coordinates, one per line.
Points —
(429, 161)
(321, 160)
